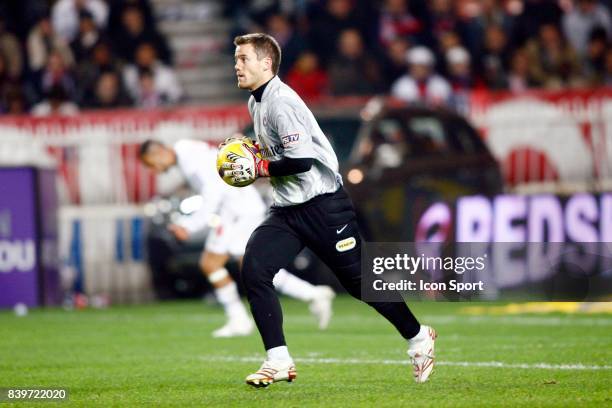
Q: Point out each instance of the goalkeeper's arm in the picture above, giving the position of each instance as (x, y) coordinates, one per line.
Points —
(283, 167)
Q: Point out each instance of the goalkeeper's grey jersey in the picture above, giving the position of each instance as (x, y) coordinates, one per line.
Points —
(285, 127)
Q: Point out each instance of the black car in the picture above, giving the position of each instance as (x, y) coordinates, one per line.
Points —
(405, 158)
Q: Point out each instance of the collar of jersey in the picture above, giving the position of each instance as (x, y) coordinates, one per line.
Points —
(259, 92)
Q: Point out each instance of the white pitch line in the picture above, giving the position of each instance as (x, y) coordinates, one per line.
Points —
(496, 364)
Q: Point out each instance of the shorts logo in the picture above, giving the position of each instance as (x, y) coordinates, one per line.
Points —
(290, 139)
(346, 244)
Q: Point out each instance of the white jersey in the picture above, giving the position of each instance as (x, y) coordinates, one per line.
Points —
(197, 161)
(285, 127)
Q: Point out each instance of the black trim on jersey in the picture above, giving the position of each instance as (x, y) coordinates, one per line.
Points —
(288, 166)
(258, 93)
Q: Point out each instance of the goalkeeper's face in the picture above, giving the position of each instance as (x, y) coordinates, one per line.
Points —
(251, 72)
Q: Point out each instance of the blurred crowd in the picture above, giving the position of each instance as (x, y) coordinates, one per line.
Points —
(65, 55)
(434, 51)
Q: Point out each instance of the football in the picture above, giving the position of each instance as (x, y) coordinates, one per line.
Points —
(239, 151)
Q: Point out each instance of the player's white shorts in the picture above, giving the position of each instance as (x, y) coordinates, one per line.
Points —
(232, 234)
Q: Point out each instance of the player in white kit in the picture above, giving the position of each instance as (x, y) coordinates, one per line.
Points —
(231, 214)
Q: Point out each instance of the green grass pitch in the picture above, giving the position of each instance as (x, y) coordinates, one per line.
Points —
(162, 355)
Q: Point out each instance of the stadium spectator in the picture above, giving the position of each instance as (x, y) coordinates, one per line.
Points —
(56, 74)
(460, 77)
(445, 20)
(492, 13)
(290, 41)
(55, 103)
(133, 32)
(165, 82)
(395, 64)
(307, 78)
(42, 41)
(495, 58)
(148, 96)
(519, 78)
(581, 20)
(10, 48)
(5, 83)
(89, 71)
(118, 6)
(398, 20)
(65, 16)
(86, 38)
(532, 15)
(339, 15)
(595, 59)
(553, 63)
(446, 41)
(422, 84)
(14, 100)
(109, 93)
(353, 71)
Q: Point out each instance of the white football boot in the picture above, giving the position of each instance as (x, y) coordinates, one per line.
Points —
(236, 326)
(272, 371)
(422, 353)
(321, 305)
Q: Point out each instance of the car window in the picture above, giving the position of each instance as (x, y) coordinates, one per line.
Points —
(466, 138)
(387, 144)
(427, 136)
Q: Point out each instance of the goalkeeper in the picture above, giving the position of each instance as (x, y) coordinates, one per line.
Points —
(310, 209)
(239, 213)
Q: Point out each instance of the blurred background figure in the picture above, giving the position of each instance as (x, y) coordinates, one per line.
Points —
(56, 102)
(165, 82)
(595, 59)
(291, 42)
(10, 48)
(65, 16)
(421, 84)
(461, 78)
(338, 16)
(398, 19)
(109, 93)
(307, 77)
(395, 64)
(86, 38)
(133, 33)
(100, 61)
(553, 62)
(519, 77)
(353, 71)
(56, 72)
(42, 41)
(585, 16)
(494, 62)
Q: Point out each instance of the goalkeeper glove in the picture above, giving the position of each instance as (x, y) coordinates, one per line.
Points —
(243, 170)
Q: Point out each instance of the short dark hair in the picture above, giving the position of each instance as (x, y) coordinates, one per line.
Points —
(146, 146)
(264, 45)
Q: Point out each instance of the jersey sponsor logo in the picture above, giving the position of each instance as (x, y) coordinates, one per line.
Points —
(346, 244)
(290, 139)
(271, 151)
